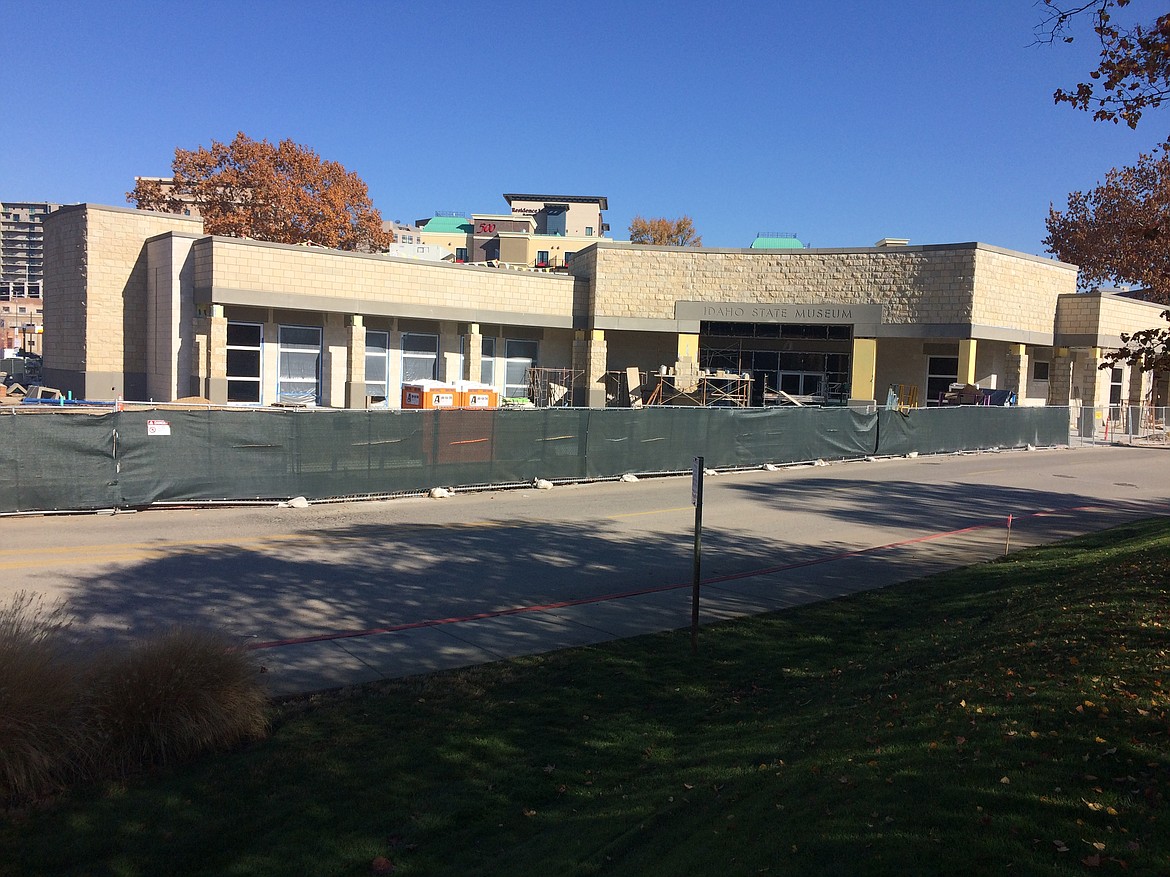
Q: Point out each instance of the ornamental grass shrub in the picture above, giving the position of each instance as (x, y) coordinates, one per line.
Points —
(66, 715)
(43, 733)
(171, 697)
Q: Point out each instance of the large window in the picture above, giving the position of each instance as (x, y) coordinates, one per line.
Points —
(299, 380)
(941, 372)
(487, 367)
(420, 357)
(519, 357)
(555, 220)
(377, 365)
(1116, 383)
(244, 343)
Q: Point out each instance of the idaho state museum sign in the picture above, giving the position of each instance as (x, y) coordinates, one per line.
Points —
(817, 313)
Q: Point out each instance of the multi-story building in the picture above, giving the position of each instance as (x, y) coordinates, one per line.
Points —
(540, 231)
(408, 243)
(22, 273)
(21, 248)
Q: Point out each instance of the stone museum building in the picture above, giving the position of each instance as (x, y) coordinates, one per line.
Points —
(144, 306)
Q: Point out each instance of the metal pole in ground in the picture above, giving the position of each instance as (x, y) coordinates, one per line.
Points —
(697, 501)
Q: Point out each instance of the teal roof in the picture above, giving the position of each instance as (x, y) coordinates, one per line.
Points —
(448, 225)
(787, 242)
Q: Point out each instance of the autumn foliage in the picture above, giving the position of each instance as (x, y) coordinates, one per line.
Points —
(283, 193)
(1120, 230)
(1134, 70)
(664, 232)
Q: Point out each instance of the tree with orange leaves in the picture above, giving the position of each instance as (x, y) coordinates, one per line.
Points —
(664, 232)
(283, 193)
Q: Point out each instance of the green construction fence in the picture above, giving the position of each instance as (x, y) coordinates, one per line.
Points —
(130, 459)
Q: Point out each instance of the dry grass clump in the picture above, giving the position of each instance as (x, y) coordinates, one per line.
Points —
(172, 697)
(67, 716)
(42, 733)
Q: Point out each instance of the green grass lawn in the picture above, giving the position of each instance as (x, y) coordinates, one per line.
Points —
(1007, 718)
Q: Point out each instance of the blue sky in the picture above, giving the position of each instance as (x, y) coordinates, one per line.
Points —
(842, 122)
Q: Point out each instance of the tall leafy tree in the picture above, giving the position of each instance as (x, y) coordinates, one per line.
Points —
(664, 232)
(1119, 231)
(283, 193)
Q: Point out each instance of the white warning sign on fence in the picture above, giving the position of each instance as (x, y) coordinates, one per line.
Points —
(158, 427)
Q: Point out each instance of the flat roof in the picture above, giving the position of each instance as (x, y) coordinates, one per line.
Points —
(600, 200)
(447, 225)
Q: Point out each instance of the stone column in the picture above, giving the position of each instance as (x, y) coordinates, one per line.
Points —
(686, 367)
(472, 353)
(355, 343)
(209, 357)
(863, 371)
(1016, 376)
(590, 356)
(1088, 379)
(967, 349)
(1137, 385)
(1060, 377)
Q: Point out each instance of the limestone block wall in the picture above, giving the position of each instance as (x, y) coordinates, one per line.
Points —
(101, 289)
(1017, 290)
(65, 299)
(1097, 319)
(913, 284)
(378, 284)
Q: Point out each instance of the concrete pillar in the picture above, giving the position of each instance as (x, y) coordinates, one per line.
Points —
(863, 370)
(335, 353)
(355, 384)
(1016, 374)
(394, 367)
(472, 353)
(967, 349)
(450, 369)
(590, 356)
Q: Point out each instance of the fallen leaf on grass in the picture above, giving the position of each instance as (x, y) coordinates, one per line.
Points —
(381, 865)
(1005, 781)
(1093, 861)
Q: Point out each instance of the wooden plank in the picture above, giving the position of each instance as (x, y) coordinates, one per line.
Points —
(634, 382)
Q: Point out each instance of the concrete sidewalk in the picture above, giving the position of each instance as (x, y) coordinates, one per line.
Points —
(353, 657)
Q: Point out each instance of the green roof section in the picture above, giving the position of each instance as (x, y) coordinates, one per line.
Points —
(448, 225)
(777, 242)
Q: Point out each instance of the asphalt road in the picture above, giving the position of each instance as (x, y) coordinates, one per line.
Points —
(270, 575)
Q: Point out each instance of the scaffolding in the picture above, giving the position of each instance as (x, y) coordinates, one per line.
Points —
(720, 390)
(553, 387)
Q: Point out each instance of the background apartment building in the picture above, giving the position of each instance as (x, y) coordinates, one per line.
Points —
(540, 231)
(22, 273)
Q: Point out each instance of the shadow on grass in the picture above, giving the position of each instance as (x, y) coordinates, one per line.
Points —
(1004, 717)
